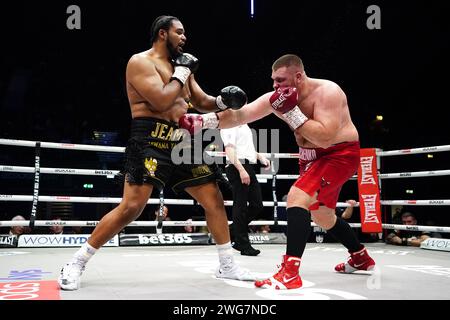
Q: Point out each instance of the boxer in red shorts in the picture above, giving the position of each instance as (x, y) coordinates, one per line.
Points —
(327, 170)
(317, 111)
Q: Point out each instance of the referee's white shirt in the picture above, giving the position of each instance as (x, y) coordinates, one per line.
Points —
(242, 139)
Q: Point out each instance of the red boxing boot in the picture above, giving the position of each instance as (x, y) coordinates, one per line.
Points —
(359, 260)
(286, 278)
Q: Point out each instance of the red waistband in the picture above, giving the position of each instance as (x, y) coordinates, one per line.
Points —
(314, 153)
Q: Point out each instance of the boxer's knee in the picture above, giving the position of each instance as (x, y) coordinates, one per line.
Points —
(214, 208)
(210, 198)
(131, 209)
(324, 217)
(299, 198)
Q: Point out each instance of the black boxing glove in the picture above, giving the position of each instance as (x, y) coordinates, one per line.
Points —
(184, 65)
(231, 97)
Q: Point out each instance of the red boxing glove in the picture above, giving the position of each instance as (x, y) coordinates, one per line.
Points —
(284, 101)
(194, 123)
(191, 122)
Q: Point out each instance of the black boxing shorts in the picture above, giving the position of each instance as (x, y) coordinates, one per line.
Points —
(148, 157)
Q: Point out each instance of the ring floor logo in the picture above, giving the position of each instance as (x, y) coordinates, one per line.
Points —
(29, 287)
(59, 240)
(307, 292)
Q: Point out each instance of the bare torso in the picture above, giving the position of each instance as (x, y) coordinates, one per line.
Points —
(310, 106)
(140, 107)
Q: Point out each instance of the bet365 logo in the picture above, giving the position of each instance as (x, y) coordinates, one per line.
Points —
(168, 238)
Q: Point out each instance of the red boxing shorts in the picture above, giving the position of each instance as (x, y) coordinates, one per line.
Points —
(326, 170)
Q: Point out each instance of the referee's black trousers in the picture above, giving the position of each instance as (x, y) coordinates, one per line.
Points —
(243, 214)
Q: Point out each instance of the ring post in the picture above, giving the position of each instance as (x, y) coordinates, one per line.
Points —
(161, 213)
(274, 192)
(384, 218)
(37, 170)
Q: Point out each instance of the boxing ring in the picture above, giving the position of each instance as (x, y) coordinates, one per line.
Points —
(181, 267)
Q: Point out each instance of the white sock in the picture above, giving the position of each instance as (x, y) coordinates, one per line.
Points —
(225, 256)
(82, 256)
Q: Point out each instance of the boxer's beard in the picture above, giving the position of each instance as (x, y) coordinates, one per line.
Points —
(174, 53)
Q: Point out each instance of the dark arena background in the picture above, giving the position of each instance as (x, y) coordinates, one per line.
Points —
(67, 85)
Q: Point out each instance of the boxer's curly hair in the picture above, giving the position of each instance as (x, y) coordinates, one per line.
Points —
(162, 22)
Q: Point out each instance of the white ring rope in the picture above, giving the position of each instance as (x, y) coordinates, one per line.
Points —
(87, 147)
(9, 197)
(83, 172)
(112, 173)
(404, 152)
(12, 197)
(47, 223)
(65, 146)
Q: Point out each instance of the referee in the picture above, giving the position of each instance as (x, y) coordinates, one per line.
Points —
(241, 160)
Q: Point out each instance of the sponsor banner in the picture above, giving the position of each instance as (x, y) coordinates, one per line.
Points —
(7, 241)
(59, 240)
(104, 172)
(267, 238)
(33, 290)
(436, 244)
(67, 171)
(369, 192)
(165, 239)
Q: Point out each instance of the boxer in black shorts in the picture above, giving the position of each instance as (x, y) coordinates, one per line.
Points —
(148, 157)
(161, 87)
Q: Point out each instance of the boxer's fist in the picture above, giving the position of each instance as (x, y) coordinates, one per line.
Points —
(194, 123)
(191, 122)
(231, 97)
(284, 101)
(185, 64)
(187, 60)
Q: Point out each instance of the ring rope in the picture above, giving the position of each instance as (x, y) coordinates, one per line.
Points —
(404, 152)
(47, 223)
(66, 146)
(112, 173)
(11, 197)
(87, 147)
